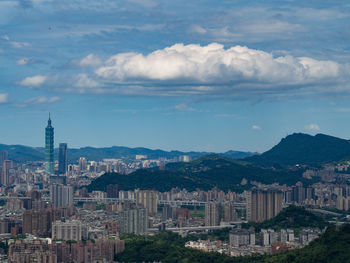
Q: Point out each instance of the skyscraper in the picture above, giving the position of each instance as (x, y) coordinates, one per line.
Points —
(49, 147)
(62, 158)
(3, 156)
(7, 165)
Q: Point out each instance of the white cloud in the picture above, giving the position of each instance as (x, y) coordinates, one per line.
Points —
(34, 81)
(210, 71)
(3, 98)
(15, 44)
(39, 100)
(198, 29)
(312, 127)
(90, 60)
(215, 64)
(29, 61)
(256, 127)
(83, 81)
(22, 61)
(19, 44)
(43, 99)
(183, 107)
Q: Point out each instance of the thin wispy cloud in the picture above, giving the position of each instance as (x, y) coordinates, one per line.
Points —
(83, 81)
(183, 107)
(41, 100)
(4, 98)
(312, 127)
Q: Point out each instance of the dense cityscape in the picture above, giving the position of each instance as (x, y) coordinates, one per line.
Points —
(155, 131)
(50, 213)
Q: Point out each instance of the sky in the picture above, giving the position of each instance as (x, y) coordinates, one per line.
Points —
(175, 75)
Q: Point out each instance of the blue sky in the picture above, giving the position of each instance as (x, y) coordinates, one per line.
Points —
(185, 75)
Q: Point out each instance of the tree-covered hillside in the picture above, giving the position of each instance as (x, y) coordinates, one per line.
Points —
(300, 148)
(293, 217)
(332, 247)
(204, 173)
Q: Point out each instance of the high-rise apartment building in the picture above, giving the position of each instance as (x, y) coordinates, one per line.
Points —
(229, 212)
(5, 175)
(5, 225)
(49, 148)
(69, 230)
(147, 199)
(212, 213)
(36, 250)
(113, 191)
(61, 195)
(133, 221)
(263, 205)
(62, 158)
(168, 212)
(82, 164)
(37, 222)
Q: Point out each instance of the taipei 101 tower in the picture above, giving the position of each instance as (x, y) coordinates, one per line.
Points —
(49, 147)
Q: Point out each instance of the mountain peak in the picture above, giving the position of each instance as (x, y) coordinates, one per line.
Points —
(301, 148)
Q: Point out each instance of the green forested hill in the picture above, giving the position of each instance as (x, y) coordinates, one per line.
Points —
(293, 217)
(300, 148)
(332, 247)
(204, 173)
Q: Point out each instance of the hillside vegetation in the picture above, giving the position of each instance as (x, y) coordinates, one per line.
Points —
(293, 217)
(333, 246)
(300, 148)
(204, 173)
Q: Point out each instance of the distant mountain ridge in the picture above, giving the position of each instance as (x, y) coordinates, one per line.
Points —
(21, 153)
(300, 148)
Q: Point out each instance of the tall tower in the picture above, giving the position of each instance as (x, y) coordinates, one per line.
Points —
(49, 144)
(3, 156)
(62, 158)
(7, 165)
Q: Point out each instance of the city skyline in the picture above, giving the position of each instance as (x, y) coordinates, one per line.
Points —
(207, 77)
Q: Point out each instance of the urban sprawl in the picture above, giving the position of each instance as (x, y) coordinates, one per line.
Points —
(47, 213)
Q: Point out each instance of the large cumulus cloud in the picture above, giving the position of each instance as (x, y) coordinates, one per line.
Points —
(212, 71)
(213, 64)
